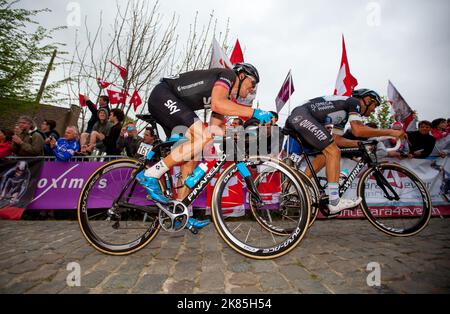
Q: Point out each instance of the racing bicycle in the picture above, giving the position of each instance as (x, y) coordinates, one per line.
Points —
(117, 218)
(394, 199)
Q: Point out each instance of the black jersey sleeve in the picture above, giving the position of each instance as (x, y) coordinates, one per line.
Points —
(354, 109)
(226, 79)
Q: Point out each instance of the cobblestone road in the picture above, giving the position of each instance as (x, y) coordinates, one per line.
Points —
(333, 258)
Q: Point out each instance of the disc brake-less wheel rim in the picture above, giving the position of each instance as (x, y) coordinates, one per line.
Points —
(402, 217)
(248, 237)
(121, 228)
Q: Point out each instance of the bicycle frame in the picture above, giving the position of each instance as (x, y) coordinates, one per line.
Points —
(210, 174)
(365, 160)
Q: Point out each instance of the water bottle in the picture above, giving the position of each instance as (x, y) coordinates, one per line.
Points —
(343, 176)
(197, 175)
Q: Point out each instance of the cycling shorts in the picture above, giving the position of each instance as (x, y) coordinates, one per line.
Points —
(309, 129)
(168, 110)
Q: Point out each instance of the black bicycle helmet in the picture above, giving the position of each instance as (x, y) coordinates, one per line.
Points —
(361, 93)
(247, 68)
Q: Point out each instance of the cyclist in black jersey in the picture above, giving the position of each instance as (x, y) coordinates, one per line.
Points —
(308, 121)
(172, 103)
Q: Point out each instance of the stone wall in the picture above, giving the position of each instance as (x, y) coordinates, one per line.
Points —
(63, 116)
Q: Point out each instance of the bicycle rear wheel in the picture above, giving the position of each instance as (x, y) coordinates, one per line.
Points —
(113, 211)
(395, 200)
(251, 234)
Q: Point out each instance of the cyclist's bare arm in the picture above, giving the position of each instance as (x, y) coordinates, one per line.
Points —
(222, 105)
(344, 142)
(361, 130)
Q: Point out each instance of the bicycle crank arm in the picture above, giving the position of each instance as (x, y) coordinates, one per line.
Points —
(166, 211)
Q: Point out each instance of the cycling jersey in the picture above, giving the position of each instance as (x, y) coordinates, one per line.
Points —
(308, 119)
(340, 109)
(172, 102)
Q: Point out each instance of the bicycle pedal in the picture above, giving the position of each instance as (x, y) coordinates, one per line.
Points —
(193, 230)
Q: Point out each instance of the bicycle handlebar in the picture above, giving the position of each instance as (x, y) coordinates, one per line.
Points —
(393, 149)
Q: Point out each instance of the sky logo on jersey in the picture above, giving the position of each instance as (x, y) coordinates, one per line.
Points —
(171, 105)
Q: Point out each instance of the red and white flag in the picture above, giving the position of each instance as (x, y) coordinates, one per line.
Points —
(116, 97)
(102, 83)
(345, 82)
(287, 89)
(123, 71)
(136, 100)
(82, 100)
(237, 56)
(218, 57)
(402, 111)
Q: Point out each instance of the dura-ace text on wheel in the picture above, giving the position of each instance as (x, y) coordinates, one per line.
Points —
(289, 211)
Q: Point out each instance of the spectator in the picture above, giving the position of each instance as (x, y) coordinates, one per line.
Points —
(48, 132)
(65, 147)
(48, 129)
(274, 118)
(116, 117)
(103, 102)
(237, 122)
(149, 136)
(27, 142)
(439, 128)
(421, 143)
(129, 140)
(448, 125)
(99, 131)
(5, 143)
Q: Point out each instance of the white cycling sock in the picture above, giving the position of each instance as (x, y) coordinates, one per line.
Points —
(157, 170)
(333, 193)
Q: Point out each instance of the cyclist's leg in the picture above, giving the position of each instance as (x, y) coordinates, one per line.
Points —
(318, 163)
(333, 159)
(189, 153)
(171, 113)
(315, 134)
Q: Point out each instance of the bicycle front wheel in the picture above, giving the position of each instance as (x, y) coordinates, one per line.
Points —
(394, 200)
(252, 234)
(113, 211)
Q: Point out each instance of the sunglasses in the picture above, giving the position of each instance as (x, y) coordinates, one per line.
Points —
(253, 81)
(373, 102)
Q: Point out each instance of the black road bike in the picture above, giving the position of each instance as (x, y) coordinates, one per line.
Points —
(394, 199)
(117, 218)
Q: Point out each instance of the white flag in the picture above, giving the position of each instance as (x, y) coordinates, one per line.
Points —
(218, 58)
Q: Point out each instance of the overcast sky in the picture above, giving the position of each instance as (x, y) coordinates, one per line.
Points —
(405, 41)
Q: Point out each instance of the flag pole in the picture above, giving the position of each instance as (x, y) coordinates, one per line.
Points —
(289, 108)
(290, 91)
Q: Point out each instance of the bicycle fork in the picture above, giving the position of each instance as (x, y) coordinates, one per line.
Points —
(243, 170)
(383, 183)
